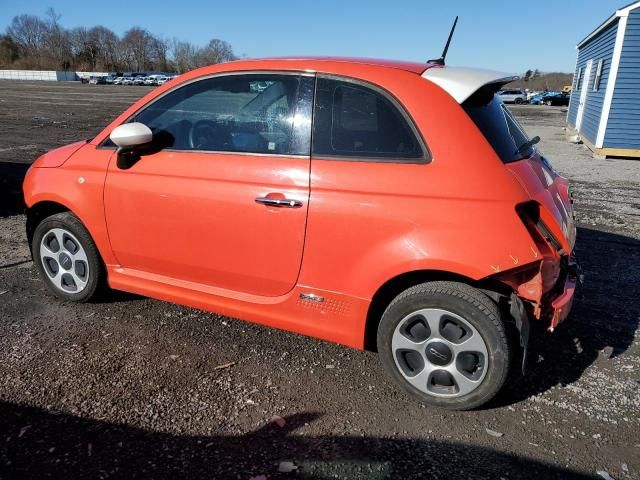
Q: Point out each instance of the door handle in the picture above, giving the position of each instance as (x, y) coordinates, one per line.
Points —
(279, 202)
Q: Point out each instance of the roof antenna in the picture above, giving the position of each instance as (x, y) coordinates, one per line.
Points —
(440, 61)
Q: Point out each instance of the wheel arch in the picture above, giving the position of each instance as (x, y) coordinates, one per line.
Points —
(38, 212)
(45, 208)
(499, 292)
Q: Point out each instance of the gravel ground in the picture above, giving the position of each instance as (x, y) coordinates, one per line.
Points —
(136, 388)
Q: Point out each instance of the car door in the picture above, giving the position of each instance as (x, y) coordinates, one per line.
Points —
(221, 200)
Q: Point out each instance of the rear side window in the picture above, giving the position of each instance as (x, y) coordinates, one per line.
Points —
(355, 121)
(498, 125)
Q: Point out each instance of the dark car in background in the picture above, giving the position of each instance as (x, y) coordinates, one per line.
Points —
(556, 99)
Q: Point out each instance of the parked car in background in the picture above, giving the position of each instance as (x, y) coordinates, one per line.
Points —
(556, 99)
(139, 80)
(537, 98)
(151, 80)
(512, 96)
(97, 80)
(118, 80)
(200, 194)
(109, 79)
(531, 94)
(162, 80)
(128, 81)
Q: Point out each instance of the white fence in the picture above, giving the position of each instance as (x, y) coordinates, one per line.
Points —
(49, 75)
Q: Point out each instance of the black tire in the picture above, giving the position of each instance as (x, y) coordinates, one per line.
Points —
(478, 310)
(518, 101)
(96, 275)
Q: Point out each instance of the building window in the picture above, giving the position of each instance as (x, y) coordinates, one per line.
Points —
(578, 78)
(596, 81)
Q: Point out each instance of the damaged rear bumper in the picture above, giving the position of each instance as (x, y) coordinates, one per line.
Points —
(560, 306)
(553, 306)
(546, 288)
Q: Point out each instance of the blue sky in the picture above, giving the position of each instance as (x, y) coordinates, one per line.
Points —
(535, 34)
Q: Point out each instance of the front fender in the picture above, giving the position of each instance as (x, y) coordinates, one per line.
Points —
(77, 186)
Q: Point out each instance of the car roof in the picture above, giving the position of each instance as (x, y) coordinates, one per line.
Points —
(413, 67)
(458, 82)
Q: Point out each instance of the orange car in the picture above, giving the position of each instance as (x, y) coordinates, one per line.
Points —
(383, 205)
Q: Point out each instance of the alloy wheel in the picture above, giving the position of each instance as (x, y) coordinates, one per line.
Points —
(439, 353)
(64, 260)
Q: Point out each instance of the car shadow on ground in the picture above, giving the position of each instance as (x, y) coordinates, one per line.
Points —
(11, 177)
(41, 444)
(603, 320)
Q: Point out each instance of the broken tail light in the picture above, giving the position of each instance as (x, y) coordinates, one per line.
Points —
(545, 240)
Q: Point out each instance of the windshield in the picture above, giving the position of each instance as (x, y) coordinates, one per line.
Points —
(498, 125)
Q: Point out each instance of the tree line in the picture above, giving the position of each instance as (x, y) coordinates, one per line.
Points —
(41, 43)
(537, 80)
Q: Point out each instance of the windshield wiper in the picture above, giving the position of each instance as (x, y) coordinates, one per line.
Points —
(527, 145)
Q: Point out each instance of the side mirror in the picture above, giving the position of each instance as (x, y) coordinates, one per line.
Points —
(131, 135)
(131, 139)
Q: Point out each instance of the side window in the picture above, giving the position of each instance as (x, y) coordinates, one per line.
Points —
(251, 113)
(578, 78)
(596, 81)
(355, 121)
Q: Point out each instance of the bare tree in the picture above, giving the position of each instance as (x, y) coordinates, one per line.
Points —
(9, 51)
(57, 42)
(35, 42)
(138, 44)
(183, 55)
(216, 51)
(29, 33)
(85, 48)
(107, 44)
(160, 54)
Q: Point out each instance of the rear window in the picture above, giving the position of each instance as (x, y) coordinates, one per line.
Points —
(498, 125)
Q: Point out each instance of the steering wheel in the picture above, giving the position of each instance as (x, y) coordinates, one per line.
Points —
(205, 135)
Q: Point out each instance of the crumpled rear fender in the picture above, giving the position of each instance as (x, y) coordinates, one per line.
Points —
(531, 282)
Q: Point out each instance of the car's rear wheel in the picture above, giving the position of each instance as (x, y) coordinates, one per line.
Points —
(518, 101)
(67, 257)
(549, 103)
(446, 344)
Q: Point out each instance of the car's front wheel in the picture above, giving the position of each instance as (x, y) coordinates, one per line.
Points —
(67, 257)
(446, 344)
(518, 101)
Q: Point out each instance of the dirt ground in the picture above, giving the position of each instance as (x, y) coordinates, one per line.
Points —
(137, 388)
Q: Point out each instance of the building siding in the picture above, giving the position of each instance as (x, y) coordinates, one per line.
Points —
(623, 128)
(599, 47)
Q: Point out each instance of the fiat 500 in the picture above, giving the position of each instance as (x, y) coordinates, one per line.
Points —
(391, 206)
